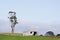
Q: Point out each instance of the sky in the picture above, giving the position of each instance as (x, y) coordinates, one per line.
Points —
(40, 15)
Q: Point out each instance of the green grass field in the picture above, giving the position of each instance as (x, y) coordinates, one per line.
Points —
(10, 37)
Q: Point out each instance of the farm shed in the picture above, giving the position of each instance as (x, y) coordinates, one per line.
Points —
(30, 33)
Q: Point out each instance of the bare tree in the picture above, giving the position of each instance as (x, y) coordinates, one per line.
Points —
(13, 19)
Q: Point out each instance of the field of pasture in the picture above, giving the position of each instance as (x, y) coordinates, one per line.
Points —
(20, 37)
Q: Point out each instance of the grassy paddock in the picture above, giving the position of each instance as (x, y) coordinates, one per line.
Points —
(20, 37)
(12, 34)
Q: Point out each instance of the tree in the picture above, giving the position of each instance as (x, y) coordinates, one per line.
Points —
(58, 35)
(13, 20)
(49, 33)
(41, 35)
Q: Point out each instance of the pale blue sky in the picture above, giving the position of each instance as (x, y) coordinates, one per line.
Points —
(40, 11)
(32, 10)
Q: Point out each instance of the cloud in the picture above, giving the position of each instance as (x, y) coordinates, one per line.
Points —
(42, 28)
(4, 26)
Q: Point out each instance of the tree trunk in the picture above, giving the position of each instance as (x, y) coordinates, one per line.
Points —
(12, 26)
(12, 30)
